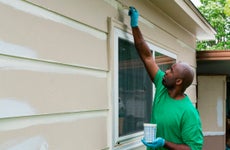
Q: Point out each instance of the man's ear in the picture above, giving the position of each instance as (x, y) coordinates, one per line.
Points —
(179, 81)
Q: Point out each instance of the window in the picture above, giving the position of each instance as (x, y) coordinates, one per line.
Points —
(134, 91)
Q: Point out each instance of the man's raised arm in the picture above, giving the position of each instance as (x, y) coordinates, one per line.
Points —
(141, 46)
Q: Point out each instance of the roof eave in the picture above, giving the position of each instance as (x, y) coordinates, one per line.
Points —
(206, 31)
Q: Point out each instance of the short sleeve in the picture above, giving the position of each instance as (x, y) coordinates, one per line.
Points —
(158, 78)
(191, 130)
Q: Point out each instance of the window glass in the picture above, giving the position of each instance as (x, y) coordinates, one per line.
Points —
(135, 90)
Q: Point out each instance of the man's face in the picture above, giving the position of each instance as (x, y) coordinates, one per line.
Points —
(169, 80)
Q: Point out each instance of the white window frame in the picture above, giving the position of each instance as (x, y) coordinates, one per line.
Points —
(125, 35)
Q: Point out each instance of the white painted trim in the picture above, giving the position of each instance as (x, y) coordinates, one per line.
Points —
(151, 46)
(162, 51)
(213, 133)
(125, 9)
(43, 13)
(130, 146)
(116, 105)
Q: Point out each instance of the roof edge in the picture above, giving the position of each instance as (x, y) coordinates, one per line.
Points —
(213, 55)
(199, 14)
(199, 19)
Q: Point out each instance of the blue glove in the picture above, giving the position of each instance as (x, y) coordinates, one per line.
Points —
(159, 142)
(133, 13)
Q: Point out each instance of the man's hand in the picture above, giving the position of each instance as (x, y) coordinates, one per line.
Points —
(158, 142)
(133, 13)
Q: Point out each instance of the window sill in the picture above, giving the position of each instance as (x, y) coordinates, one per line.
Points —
(130, 145)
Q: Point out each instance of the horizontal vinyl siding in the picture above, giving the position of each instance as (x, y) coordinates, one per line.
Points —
(48, 88)
(55, 132)
(54, 78)
(92, 13)
(44, 35)
(55, 70)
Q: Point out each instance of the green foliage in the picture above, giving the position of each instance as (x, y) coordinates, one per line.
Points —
(227, 8)
(217, 13)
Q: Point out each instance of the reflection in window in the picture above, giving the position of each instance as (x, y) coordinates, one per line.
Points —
(135, 88)
(163, 61)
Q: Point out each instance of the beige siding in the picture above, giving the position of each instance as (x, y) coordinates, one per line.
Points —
(211, 105)
(50, 88)
(188, 55)
(46, 39)
(214, 142)
(92, 13)
(212, 102)
(71, 134)
(56, 69)
(191, 92)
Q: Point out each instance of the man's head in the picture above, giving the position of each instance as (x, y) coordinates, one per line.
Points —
(178, 75)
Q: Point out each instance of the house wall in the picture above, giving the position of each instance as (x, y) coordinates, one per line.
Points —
(211, 105)
(56, 67)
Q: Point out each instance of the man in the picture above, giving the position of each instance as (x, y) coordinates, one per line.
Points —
(178, 122)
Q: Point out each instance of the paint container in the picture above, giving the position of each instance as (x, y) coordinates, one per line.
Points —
(150, 131)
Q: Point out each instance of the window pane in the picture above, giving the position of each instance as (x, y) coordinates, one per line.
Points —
(135, 90)
(163, 61)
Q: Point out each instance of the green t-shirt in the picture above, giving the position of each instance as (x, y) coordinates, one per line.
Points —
(177, 120)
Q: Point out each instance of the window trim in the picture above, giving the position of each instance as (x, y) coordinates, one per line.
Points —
(118, 33)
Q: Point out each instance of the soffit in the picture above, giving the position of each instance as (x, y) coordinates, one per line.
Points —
(185, 14)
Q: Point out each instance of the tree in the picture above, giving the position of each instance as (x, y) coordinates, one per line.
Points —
(217, 13)
(227, 8)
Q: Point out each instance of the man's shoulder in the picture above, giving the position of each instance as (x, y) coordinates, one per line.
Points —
(159, 75)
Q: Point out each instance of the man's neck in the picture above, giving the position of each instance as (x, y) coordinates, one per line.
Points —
(176, 95)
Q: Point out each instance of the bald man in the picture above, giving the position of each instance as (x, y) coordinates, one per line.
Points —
(178, 122)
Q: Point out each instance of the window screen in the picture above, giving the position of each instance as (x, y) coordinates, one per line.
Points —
(135, 90)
